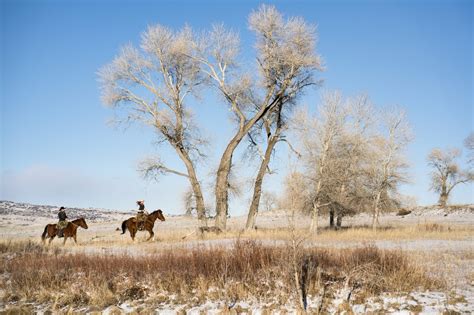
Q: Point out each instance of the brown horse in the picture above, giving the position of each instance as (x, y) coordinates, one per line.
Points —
(131, 224)
(70, 230)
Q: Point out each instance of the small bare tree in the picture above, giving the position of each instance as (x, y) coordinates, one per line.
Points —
(388, 162)
(189, 201)
(151, 85)
(286, 59)
(446, 173)
(469, 144)
(269, 200)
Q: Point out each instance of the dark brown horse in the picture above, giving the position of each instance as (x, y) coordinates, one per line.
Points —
(70, 230)
(131, 224)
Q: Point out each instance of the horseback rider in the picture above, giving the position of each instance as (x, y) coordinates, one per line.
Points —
(62, 223)
(141, 215)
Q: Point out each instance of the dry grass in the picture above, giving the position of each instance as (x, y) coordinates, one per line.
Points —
(245, 271)
(426, 230)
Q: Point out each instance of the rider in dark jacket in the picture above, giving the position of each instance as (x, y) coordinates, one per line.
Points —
(141, 215)
(62, 223)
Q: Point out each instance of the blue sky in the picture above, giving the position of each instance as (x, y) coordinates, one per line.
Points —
(57, 147)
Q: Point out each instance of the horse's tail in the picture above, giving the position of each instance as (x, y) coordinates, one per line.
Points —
(43, 236)
(124, 226)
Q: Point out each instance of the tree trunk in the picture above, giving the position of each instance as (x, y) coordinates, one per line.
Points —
(189, 212)
(314, 218)
(443, 200)
(200, 207)
(257, 189)
(375, 217)
(339, 220)
(342, 195)
(443, 197)
(222, 182)
(331, 218)
(196, 186)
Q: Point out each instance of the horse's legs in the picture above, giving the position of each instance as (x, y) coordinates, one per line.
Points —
(74, 237)
(50, 239)
(132, 234)
(65, 238)
(152, 234)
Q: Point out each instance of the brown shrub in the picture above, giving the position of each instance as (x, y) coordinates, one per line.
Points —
(403, 211)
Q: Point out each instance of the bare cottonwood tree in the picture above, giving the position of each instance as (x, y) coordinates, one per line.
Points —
(446, 173)
(349, 160)
(351, 165)
(270, 28)
(151, 84)
(286, 59)
(336, 147)
(388, 162)
(319, 135)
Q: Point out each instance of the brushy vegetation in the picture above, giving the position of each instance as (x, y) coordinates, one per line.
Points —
(403, 212)
(245, 271)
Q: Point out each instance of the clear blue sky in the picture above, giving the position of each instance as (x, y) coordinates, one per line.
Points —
(56, 145)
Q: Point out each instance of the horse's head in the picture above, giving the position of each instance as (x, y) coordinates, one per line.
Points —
(81, 222)
(158, 214)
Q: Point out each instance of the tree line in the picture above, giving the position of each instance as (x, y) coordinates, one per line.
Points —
(352, 153)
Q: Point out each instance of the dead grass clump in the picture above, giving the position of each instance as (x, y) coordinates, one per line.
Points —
(247, 270)
(21, 247)
(134, 293)
(453, 208)
(371, 269)
(18, 310)
(432, 227)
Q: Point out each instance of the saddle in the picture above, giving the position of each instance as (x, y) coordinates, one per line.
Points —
(61, 225)
(140, 219)
(141, 225)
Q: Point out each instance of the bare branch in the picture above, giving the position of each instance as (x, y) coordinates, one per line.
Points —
(153, 168)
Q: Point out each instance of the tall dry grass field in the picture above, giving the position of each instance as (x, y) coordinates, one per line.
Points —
(247, 270)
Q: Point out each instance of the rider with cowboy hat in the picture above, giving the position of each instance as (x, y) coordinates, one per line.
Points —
(62, 223)
(141, 214)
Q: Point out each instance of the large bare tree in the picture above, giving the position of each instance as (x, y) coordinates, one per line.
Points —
(446, 173)
(286, 60)
(151, 85)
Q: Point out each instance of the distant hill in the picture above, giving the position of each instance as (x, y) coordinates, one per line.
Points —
(47, 211)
